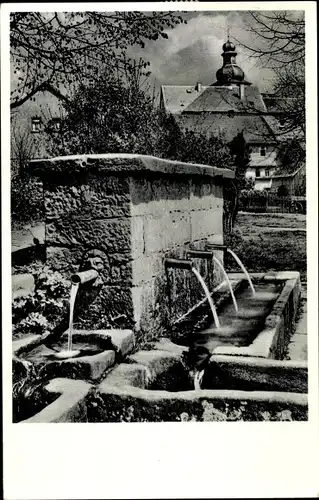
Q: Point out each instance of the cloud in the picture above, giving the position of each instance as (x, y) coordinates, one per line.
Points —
(193, 50)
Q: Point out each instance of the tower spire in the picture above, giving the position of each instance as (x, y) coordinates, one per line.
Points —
(230, 72)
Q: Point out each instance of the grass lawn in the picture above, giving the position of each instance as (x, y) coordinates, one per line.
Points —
(262, 250)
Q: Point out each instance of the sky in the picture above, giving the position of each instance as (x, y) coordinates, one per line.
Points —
(193, 51)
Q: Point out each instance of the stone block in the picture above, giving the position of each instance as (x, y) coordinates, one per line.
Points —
(120, 270)
(158, 196)
(145, 268)
(22, 285)
(137, 237)
(64, 258)
(157, 362)
(149, 306)
(83, 367)
(25, 343)
(134, 404)
(111, 307)
(112, 235)
(165, 344)
(122, 340)
(70, 405)
(94, 196)
(134, 375)
(203, 196)
(205, 223)
(162, 233)
(256, 374)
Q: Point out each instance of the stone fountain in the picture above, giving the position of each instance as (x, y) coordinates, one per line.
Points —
(125, 218)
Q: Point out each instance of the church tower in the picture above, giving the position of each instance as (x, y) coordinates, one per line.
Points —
(230, 73)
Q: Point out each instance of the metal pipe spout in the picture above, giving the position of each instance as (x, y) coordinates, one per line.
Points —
(200, 254)
(179, 264)
(84, 276)
(216, 246)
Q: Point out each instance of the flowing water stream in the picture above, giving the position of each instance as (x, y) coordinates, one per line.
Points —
(74, 291)
(239, 262)
(208, 295)
(228, 281)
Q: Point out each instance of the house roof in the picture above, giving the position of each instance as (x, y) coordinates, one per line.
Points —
(254, 127)
(214, 99)
(176, 98)
(288, 176)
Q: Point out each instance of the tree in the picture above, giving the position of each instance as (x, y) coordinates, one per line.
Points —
(241, 155)
(51, 51)
(279, 38)
(279, 43)
(194, 146)
(113, 115)
(23, 146)
(291, 156)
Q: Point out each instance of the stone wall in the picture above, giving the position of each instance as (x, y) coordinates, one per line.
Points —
(134, 211)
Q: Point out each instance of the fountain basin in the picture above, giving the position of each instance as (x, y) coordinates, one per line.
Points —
(157, 385)
(97, 351)
(68, 402)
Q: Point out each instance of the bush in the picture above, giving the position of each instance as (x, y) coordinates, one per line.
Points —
(39, 312)
(26, 200)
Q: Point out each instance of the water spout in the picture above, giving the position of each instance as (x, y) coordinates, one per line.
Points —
(208, 295)
(228, 282)
(200, 254)
(179, 264)
(239, 262)
(76, 279)
(224, 248)
(84, 276)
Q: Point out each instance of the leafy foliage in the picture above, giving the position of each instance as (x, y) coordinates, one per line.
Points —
(55, 50)
(113, 115)
(117, 115)
(39, 311)
(192, 146)
(291, 156)
(26, 200)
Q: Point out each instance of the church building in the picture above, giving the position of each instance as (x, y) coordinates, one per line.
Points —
(228, 106)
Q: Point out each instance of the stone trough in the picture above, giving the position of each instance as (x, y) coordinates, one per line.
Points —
(157, 385)
(126, 216)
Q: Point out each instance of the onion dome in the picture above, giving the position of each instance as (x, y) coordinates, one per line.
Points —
(230, 72)
(229, 46)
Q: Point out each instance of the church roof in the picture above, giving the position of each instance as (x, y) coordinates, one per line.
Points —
(215, 99)
(185, 99)
(227, 126)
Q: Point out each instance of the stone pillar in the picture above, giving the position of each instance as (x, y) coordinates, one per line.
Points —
(133, 211)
